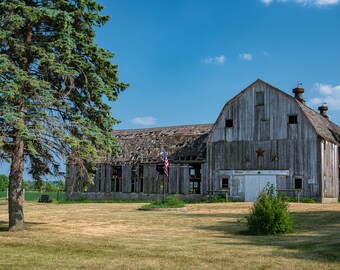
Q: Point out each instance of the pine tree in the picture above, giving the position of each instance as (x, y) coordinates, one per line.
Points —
(53, 81)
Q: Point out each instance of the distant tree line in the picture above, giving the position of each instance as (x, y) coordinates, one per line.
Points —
(32, 185)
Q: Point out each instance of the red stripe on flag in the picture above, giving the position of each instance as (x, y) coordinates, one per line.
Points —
(166, 164)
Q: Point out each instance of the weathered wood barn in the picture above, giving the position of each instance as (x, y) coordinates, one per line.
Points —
(138, 172)
(262, 135)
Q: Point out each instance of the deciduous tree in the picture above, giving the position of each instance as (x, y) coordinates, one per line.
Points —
(3, 182)
(54, 81)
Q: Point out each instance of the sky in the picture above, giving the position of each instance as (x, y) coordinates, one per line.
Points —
(184, 59)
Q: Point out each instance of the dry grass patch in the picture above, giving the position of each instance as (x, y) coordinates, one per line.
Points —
(206, 236)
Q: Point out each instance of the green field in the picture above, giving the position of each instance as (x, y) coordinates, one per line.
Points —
(34, 196)
(205, 236)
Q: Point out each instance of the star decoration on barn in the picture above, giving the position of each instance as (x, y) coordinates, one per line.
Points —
(246, 158)
(260, 152)
(274, 158)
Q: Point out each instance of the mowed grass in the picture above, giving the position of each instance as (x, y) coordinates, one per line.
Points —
(205, 236)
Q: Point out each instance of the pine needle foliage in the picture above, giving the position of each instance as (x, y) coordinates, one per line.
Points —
(269, 214)
(54, 81)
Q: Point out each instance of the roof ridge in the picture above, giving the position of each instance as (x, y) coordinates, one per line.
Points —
(165, 127)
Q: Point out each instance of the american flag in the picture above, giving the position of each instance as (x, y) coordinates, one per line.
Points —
(166, 164)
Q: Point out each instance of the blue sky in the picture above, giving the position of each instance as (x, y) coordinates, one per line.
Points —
(185, 59)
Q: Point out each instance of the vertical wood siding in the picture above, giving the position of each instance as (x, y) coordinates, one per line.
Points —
(292, 147)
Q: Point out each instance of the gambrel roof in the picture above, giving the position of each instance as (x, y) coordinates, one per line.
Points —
(323, 126)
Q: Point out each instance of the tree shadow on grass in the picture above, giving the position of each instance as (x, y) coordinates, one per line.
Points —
(316, 235)
(29, 225)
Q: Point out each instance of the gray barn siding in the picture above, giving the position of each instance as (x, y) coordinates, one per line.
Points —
(71, 172)
(150, 176)
(290, 147)
(126, 178)
(103, 177)
(174, 179)
(97, 179)
(204, 178)
(329, 169)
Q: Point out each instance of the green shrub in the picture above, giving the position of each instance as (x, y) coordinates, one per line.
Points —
(301, 200)
(172, 201)
(269, 214)
(168, 202)
(82, 198)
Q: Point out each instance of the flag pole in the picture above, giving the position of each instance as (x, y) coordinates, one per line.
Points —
(166, 172)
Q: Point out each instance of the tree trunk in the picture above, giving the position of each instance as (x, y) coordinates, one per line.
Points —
(15, 196)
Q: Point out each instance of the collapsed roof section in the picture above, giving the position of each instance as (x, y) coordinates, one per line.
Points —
(182, 143)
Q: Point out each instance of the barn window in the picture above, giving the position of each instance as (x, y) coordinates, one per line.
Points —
(225, 183)
(259, 98)
(229, 123)
(195, 179)
(116, 183)
(292, 119)
(298, 183)
(134, 183)
(160, 169)
(141, 182)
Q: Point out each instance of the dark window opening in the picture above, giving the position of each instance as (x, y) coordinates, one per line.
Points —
(133, 179)
(116, 183)
(195, 179)
(225, 183)
(132, 185)
(194, 186)
(229, 123)
(160, 169)
(298, 183)
(292, 119)
(140, 176)
(259, 98)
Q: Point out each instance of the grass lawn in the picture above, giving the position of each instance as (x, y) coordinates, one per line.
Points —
(206, 236)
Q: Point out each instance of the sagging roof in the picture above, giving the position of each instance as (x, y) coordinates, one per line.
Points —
(146, 145)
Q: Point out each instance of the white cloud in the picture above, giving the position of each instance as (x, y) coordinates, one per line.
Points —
(318, 3)
(246, 56)
(326, 93)
(218, 60)
(266, 2)
(146, 120)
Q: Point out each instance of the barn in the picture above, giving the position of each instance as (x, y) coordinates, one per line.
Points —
(138, 172)
(262, 135)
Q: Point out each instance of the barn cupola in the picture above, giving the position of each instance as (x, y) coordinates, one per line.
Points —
(298, 91)
(323, 110)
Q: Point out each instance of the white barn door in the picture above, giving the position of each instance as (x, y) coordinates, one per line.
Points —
(254, 184)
